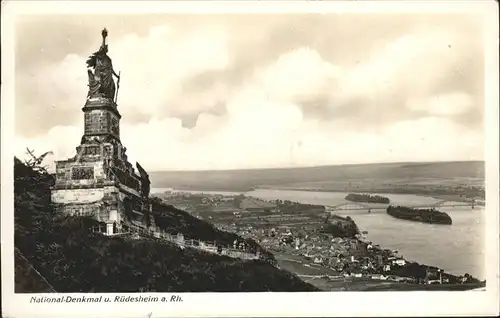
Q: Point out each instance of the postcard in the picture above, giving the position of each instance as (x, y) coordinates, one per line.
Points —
(304, 158)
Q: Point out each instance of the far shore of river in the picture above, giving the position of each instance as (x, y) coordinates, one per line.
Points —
(448, 197)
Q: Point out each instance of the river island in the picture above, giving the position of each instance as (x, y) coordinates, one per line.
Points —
(430, 216)
(355, 197)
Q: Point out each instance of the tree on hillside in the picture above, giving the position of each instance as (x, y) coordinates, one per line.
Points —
(35, 162)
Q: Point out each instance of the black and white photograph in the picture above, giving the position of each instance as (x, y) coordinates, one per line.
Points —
(161, 153)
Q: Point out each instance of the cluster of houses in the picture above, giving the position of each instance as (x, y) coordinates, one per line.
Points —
(354, 257)
(346, 255)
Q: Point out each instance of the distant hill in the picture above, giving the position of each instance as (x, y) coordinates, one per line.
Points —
(55, 252)
(244, 180)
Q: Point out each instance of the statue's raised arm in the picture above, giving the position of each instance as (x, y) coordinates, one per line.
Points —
(100, 72)
(104, 46)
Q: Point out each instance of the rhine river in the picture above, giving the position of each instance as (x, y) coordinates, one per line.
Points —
(457, 249)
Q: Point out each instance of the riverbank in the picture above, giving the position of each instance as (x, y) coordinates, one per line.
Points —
(368, 267)
(327, 279)
(428, 191)
(419, 191)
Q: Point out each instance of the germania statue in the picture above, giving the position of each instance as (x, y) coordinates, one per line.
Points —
(100, 71)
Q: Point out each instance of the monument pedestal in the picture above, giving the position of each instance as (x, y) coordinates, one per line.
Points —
(99, 181)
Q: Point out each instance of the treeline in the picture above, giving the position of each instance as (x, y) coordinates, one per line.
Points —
(74, 259)
(287, 206)
(338, 226)
(431, 216)
(355, 197)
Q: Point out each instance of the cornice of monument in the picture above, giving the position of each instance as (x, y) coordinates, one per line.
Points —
(101, 103)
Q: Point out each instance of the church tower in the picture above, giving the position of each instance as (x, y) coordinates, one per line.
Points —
(99, 181)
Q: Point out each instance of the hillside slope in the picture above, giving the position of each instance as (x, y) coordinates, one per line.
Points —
(27, 279)
(74, 259)
(173, 220)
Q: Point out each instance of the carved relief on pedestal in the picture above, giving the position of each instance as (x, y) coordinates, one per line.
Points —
(82, 173)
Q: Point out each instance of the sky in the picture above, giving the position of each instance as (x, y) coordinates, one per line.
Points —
(203, 92)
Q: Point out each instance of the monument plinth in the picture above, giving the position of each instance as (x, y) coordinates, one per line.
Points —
(101, 118)
(99, 180)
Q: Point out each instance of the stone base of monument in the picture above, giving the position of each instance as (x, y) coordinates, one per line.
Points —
(93, 194)
(99, 181)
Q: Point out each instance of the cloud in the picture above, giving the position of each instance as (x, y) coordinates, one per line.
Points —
(297, 74)
(161, 144)
(453, 103)
(155, 67)
(61, 140)
(211, 98)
